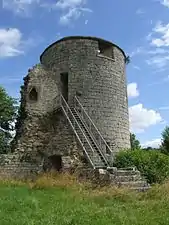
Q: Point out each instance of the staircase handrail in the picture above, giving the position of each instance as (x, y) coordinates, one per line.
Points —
(95, 142)
(100, 136)
(62, 99)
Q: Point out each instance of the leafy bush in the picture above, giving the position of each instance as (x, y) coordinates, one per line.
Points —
(154, 165)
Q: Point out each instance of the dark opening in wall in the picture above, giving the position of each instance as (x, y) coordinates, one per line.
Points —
(64, 85)
(56, 162)
(33, 95)
(106, 49)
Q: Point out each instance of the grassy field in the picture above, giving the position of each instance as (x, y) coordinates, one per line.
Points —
(63, 201)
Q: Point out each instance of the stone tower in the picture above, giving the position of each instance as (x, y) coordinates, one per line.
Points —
(95, 70)
(88, 67)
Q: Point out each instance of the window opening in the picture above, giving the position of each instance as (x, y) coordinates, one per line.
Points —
(33, 95)
(106, 49)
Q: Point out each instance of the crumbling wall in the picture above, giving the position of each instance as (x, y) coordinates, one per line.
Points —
(42, 129)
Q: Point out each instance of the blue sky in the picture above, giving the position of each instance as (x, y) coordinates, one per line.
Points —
(141, 28)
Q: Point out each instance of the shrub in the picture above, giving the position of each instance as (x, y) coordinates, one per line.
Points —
(154, 165)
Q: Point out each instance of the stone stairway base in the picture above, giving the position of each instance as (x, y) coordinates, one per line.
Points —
(129, 178)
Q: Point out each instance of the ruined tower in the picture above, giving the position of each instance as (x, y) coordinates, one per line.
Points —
(94, 69)
(91, 70)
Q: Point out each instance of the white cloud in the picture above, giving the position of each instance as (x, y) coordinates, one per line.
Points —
(162, 30)
(67, 4)
(161, 81)
(158, 51)
(136, 67)
(132, 90)
(141, 118)
(159, 43)
(149, 36)
(160, 61)
(155, 143)
(22, 7)
(71, 10)
(10, 42)
(71, 14)
(13, 44)
(149, 50)
(137, 51)
(86, 22)
(165, 3)
(140, 11)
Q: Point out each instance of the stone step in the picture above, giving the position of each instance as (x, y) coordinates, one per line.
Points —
(133, 184)
(126, 172)
(128, 178)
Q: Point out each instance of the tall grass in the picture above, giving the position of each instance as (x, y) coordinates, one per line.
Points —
(61, 199)
(66, 181)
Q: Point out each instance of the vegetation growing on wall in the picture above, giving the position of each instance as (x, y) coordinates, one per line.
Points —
(127, 60)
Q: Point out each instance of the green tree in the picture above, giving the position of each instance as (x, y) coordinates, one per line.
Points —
(8, 110)
(135, 144)
(165, 141)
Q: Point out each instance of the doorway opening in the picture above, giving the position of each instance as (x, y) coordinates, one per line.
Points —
(56, 162)
(64, 85)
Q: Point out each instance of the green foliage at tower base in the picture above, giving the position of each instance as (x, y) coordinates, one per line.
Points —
(154, 165)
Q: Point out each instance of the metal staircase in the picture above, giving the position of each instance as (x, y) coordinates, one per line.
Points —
(97, 151)
(92, 142)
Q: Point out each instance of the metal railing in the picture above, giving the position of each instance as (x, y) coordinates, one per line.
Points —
(104, 159)
(101, 143)
(78, 131)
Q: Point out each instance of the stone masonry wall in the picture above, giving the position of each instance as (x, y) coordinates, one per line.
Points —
(42, 129)
(43, 132)
(13, 166)
(100, 80)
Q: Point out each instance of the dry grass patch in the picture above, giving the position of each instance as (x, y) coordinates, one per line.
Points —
(62, 180)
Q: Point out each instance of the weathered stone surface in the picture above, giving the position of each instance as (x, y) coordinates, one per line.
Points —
(99, 81)
(131, 179)
(11, 166)
(43, 131)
